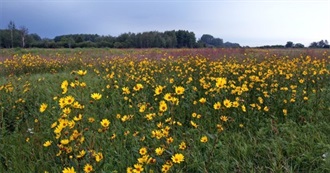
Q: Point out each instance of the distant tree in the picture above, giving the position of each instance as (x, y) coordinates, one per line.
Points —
(12, 28)
(289, 44)
(105, 41)
(206, 38)
(200, 44)
(299, 45)
(5, 40)
(185, 39)
(23, 32)
(67, 42)
(217, 42)
(170, 39)
(326, 44)
(313, 45)
(321, 44)
(35, 37)
(231, 45)
(210, 41)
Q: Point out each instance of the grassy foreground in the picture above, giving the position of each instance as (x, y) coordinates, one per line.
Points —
(159, 110)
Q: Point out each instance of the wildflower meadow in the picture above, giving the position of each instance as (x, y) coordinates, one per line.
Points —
(164, 110)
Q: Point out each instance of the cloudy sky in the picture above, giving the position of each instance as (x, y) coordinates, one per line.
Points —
(247, 22)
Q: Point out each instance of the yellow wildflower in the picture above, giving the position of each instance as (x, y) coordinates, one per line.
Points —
(43, 107)
(178, 158)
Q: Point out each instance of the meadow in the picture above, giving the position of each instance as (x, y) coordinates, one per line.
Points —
(164, 110)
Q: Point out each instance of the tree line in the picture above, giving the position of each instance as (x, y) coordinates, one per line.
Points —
(290, 44)
(13, 37)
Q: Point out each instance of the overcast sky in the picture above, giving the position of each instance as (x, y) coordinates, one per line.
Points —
(247, 22)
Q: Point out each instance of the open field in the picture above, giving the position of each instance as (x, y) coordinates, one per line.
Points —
(165, 110)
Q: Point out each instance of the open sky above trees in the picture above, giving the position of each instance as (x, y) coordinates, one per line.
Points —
(247, 22)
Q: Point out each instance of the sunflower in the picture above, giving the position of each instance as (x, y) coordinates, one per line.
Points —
(43, 107)
(105, 123)
(68, 170)
(96, 96)
(178, 158)
(88, 168)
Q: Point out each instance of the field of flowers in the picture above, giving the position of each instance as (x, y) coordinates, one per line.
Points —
(164, 110)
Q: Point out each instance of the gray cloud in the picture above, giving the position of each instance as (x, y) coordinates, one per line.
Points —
(245, 22)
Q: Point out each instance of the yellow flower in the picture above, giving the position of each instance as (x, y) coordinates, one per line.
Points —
(204, 139)
(88, 168)
(83, 84)
(305, 73)
(96, 96)
(81, 154)
(235, 104)
(178, 158)
(224, 118)
(285, 112)
(98, 157)
(64, 86)
(217, 105)
(138, 87)
(243, 108)
(162, 106)
(193, 124)
(168, 97)
(78, 117)
(66, 111)
(158, 90)
(68, 170)
(166, 168)
(179, 90)
(227, 103)
(65, 141)
(266, 109)
(142, 108)
(221, 82)
(69, 100)
(182, 146)
(138, 168)
(126, 90)
(48, 143)
(144, 159)
(219, 127)
(43, 107)
(129, 170)
(82, 72)
(143, 151)
(202, 100)
(91, 119)
(169, 140)
(105, 123)
(159, 151)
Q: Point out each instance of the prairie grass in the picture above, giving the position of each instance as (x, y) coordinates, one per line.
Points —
(165, 110)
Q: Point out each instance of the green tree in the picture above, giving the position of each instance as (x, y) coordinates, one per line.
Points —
(299, 45)
(289, 44)
(23, 32)
(313, 45)
(210, 41)
(12, 28)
